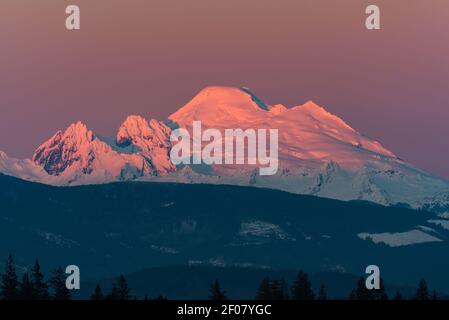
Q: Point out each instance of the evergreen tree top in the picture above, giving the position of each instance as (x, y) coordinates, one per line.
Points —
(216, 292)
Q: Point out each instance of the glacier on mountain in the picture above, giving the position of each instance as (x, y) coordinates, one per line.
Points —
(319, 154)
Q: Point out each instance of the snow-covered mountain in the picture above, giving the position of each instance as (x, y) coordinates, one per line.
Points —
(76, 156)
(307, 133)
(319, 154)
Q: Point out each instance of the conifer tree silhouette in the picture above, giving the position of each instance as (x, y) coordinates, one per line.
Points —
(302, 288)
(422, 293)
(322, 295)
(98, 293)
(57, 282)
(278, 290)
(120, 289)
(40, 288)
(216, 292)
(9, 285)
(264, 290)
(26, 288)
(360, 292)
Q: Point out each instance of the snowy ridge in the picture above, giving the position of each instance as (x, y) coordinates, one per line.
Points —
(400, 238)
(25, 169)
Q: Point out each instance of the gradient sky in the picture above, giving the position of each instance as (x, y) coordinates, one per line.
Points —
(150, 57)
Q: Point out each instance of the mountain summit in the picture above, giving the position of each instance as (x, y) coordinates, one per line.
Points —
(152, 138)
(218, 104)
(63, 149)
(319, 154)
(307, 132)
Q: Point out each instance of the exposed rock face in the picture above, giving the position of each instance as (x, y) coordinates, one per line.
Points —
(153, 140)
(64, 149)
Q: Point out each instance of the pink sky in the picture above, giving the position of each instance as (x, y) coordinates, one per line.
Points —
(150, 57)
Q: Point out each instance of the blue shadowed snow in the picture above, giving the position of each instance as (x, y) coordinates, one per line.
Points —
(256, 100)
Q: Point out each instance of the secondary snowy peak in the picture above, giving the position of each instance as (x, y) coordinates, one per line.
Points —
(136, 129)
(134, 126)
(76, 156)
(65, 148)
(314, 110)
(322, 127)
(151, 138)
